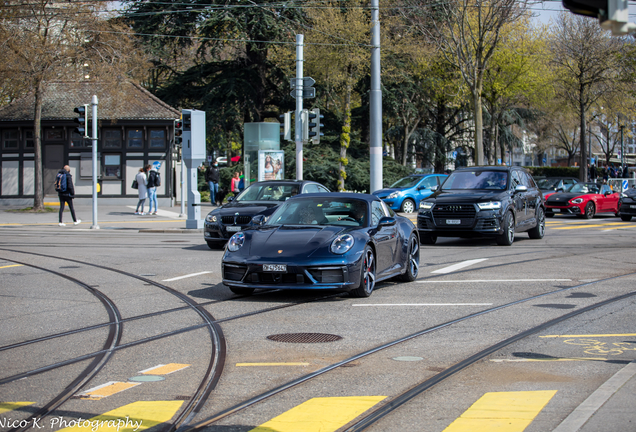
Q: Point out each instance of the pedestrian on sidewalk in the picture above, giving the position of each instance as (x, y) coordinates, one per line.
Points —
(142, 182)
(66, 192)
(153, 182)
(212, 176)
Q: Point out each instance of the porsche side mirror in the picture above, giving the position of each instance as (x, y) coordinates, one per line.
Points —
(387, 221)
(259, 220)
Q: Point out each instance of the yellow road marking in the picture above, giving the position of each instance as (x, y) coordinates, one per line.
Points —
(165, 369)
(10, 406)
(590, 335)
(133, 417)
(320, 414)
(108, 389)
(12, 265)
(593, 226)
(273, 364)
(502, 412)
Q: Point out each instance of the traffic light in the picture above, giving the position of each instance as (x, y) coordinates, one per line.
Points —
(285, 132)
(178, 132)
(187, 122)
(81, 120)
(314, 125)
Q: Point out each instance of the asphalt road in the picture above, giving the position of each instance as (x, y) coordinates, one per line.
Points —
(145, 331)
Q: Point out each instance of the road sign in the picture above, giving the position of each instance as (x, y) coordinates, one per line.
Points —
(307, 82)
(625, 185)
(308, 93)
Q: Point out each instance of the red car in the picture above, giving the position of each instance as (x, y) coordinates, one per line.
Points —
(584, 200)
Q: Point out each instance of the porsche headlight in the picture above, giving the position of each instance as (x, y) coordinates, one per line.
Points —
(426, 205)
(211, 218)
(342, 244)
(393, 195)
(492, 205)
(235, 242)
(577, 201)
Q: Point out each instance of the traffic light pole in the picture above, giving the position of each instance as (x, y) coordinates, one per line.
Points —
(375, 121)
(298, 134)
(94, 148)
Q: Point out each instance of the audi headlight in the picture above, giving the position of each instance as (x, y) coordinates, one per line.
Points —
(342, 244)
(577, 201)
(235, 242)
(210, 218)
(424, 205)
(492, 205)
(393, 195)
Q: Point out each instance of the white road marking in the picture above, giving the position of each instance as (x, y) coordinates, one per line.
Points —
(493, 280)
(426, 304)
(459, 266)
(186, 276)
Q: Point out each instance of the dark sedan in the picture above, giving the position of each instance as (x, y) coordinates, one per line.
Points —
(491, 201)
(628, 205)
(260, 198)
(338, 241)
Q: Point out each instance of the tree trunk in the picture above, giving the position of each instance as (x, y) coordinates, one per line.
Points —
(345, 139)
(583, 148)
(38, 197)
(440, 144)
(479, 128)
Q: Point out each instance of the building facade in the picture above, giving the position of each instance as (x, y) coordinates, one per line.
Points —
(134, 129)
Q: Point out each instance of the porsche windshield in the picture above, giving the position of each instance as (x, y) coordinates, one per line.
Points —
(321, 211)
(268, 192)
(467, 180)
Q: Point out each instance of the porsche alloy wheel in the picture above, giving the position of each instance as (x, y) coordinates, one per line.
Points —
(367, 278)
(413, 260)
(589, 211)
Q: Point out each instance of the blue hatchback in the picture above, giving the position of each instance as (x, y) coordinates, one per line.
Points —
(405, 194)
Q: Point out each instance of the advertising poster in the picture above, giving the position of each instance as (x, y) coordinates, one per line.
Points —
(271, 165)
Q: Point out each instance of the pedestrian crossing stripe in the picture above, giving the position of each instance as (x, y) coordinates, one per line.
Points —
(11, 406)
(325, 414)
(502, 412)
(105, 390)
(134, 417)
(12, 265)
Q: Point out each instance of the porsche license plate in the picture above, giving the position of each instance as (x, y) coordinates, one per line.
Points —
(453, 221)
(276, 268)
(233, 228)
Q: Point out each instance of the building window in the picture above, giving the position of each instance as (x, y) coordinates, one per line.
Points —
(29, 140)
(10, 139)
(79, 141)
(54, 135)
(157, 138)
(112, 166)
(135, 139)
(112, 138)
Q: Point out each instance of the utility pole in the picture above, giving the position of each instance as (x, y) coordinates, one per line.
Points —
(298, 132)
(375, 120)
(94, 103)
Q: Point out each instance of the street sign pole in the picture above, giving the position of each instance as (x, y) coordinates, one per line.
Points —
(94, 103)
(375, 146)
(298, 137)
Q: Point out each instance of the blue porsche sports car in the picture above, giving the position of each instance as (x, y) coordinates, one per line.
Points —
(341, 241)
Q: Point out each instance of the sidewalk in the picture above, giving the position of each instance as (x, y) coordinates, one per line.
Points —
(111, 217)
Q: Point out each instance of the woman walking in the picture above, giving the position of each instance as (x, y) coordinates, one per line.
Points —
(142, 181)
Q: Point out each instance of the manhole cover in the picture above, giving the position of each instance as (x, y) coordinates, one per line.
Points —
(304, 337)
(556, 306)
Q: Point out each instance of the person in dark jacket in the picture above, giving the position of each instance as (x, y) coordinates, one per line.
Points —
(212, 176)
(68, 195)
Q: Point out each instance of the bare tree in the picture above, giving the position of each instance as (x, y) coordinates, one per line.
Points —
(49, 40)
(467, 33)
(586, 63)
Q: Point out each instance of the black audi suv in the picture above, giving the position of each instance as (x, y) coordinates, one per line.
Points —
(484, 201)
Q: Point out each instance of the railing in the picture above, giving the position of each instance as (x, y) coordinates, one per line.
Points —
(616, 184)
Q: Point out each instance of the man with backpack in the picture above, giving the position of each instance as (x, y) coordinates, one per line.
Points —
(154, 180)
(212, 177)
(66, 192)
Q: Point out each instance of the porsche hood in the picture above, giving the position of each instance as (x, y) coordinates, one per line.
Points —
(290, 241)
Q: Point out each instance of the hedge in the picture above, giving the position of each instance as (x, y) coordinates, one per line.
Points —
(554, 171)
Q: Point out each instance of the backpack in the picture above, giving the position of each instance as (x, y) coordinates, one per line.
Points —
(157, 179)
(60, 182)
